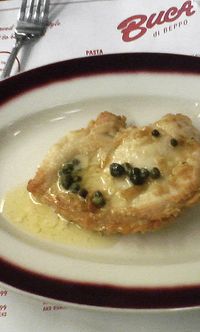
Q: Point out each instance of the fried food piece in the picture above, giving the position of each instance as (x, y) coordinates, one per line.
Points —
(168, 150)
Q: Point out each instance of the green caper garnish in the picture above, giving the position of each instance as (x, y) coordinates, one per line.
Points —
(66, 180)
(77, 178)
(136, 171)
(67, 168)
(97, 199)
(137, 179)
(116, 170)
(144, 172)
(174, 142)
(155, 133)
(83, 193)
(155, 173)
(75, 187)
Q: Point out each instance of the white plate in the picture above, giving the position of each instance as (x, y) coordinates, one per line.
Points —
(160, 270)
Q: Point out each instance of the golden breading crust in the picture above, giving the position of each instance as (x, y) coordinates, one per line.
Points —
(129, 208)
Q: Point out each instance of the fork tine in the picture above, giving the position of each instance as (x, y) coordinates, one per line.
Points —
(42, 11)
(30, 13)
(23, 9)
(46, 9)
(38, 10)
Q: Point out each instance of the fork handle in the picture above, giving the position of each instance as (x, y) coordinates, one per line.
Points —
(9, 64)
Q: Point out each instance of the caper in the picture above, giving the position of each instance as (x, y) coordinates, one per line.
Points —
(144, 172)
(75, 187)
(83, 193)
(116, 170)
(77, 178)
(67, 168)
(128, 168)
(66, 180)
(136, 171)
(155, 133)
(174, 142)
(137, 179)
(155, 173)
(98, 193)
(97, 199)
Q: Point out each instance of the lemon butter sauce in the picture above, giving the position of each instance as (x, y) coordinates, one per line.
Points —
(21, 209)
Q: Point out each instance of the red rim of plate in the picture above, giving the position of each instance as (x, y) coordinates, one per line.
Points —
(93, 294)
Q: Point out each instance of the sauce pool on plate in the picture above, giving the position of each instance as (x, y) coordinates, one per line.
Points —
(20, 209)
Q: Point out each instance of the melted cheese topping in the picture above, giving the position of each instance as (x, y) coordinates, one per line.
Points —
(139, 148)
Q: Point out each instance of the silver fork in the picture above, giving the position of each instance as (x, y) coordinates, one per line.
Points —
(31, 24)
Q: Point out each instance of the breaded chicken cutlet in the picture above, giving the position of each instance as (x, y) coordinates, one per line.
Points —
(116, 179)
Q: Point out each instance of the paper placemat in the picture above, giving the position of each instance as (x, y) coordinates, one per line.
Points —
(81, 29)
(86, 28)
